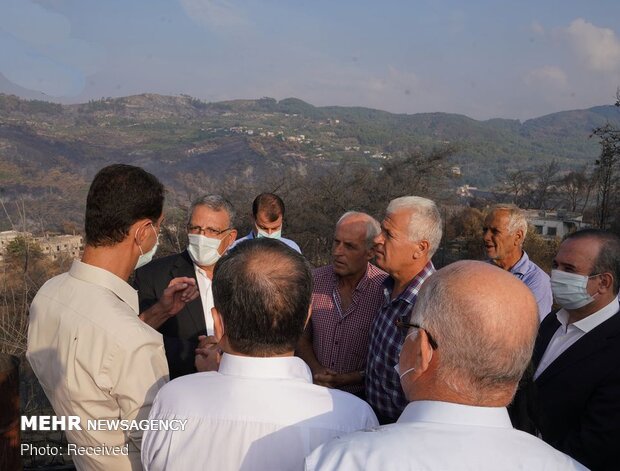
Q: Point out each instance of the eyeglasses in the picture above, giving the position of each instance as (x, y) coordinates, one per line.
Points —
(206, 231)
(406, 326)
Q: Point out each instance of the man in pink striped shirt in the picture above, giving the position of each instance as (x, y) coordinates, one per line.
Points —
(345, 300)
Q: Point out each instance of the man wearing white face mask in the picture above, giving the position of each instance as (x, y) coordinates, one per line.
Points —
(576, 394)
(91, 353)
(210, 233)
(267, 219)
(469, 339)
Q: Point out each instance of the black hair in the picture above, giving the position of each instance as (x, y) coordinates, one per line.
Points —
(608, 258)
(120, 195)
(262, 289)
(269, 203)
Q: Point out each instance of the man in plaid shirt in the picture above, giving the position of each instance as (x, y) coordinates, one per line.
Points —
(346, 297)
(410, 234)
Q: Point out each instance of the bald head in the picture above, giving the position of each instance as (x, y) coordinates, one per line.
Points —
(262, 290)
(361, 223)
(484, 321)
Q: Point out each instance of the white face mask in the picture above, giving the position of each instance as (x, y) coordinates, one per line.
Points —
(145, 258)
(274, 235)
(409, 370)
(570, 290)
(203, 250)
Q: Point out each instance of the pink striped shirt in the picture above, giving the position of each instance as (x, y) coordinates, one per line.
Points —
(340, 339)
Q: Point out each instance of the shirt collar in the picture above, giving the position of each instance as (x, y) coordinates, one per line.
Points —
(593, 320)
(200, 271)
(521, 266)
(99, 276)
(360, 285)
(410, 293)
(265, 367)
(455, 414)
(250, 236)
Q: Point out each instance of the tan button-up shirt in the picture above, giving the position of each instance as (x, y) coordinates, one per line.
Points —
(96, 359)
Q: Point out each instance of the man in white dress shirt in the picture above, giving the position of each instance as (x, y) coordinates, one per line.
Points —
(260, 411)
(469, 340)
(576, 392)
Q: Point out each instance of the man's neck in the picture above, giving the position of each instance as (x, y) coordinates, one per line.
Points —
(440, 391)
(228, 349)
(508, 262)
(208, 269)
(110, 258)
(576, 315)
(350, 282)
(404, 277)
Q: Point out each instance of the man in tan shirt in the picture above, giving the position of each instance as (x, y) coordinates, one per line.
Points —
(92, 354)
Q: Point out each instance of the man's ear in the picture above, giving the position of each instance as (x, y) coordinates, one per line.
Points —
(138, 230)
(607, 282)
(519, 237)
(421, 249)
(218, 324)
(370, 253)
(308, 318)
(426, 351)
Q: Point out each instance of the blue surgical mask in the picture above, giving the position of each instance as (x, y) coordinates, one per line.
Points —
(570, 290)
(145, 258)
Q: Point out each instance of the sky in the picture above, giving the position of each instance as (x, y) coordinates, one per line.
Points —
(481, 58)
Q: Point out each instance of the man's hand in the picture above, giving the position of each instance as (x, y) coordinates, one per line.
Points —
(208, 354)
(331, 379)
(179, 292)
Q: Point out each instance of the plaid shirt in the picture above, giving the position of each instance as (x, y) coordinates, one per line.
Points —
(383, 390)
(340, 339)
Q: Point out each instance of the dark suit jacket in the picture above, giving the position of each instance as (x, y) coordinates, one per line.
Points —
(576, 401)
(181, 331)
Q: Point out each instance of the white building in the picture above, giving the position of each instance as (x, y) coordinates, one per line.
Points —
(54, 246)
(555, 223)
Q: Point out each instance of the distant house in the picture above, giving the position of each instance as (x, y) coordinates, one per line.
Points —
(555, 223)
(6, 237)
(54, 246)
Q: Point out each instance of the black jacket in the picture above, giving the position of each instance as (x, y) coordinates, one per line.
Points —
(181, 331)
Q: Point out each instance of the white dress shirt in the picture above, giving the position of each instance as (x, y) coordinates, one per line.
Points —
(253, 414)
(206, 297)
(567, 334)
(437, 436)
(95, 358)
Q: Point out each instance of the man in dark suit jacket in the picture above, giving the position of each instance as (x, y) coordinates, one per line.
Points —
(575, 397)
(210, 232)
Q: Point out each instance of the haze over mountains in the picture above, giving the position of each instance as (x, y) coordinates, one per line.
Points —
(49, 152)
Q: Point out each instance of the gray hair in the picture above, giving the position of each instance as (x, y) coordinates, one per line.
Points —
(516, 217)
(425, 225)
(476, 352)
(216, 203)
(373, 228)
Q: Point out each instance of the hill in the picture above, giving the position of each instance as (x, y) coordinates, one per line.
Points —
(49, 152)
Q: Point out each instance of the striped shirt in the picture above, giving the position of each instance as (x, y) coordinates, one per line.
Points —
(383, 390)
(340, 337)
